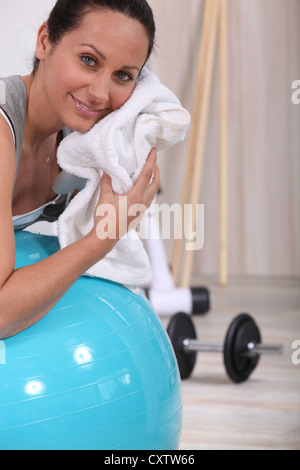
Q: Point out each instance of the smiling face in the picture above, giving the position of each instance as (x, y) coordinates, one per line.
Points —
(92, 70)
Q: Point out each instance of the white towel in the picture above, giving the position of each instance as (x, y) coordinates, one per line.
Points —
(119, 144)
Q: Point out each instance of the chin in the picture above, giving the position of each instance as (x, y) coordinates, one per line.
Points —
(82, 129)
(82, 125)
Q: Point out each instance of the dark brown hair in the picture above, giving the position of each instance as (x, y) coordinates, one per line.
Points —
(67, 15)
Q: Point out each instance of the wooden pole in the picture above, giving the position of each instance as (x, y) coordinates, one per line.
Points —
(224, 143)
(202, 131)
(203, 50)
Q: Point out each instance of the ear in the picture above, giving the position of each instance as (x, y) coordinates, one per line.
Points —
(43, 44)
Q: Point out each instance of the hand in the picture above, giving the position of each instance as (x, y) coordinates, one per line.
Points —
(117, 214)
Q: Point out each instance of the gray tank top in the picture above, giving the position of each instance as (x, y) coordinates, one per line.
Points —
(13, 97)
(13, 103)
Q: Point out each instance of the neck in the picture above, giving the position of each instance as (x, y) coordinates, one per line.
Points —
(41, 120)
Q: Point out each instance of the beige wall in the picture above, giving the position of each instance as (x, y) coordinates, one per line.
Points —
(264, 131)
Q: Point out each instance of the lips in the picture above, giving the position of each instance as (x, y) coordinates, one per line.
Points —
(85, 109)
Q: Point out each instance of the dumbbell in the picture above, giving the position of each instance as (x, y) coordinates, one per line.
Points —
(241, 351)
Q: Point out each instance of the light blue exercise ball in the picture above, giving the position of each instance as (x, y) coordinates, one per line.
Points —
(97, 372)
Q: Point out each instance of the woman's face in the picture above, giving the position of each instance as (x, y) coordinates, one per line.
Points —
(92, 71)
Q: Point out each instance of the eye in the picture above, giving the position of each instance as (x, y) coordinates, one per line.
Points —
(88, 61)
(124, 76)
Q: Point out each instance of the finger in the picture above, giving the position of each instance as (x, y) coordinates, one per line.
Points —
(152, 156)
(156, 179)
(149, 166)
(154, 187)
(106, 183)
(147, 172)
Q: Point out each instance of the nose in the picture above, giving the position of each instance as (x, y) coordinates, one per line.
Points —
(99, 89)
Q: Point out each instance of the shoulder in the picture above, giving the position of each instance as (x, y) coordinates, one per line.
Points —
(7, 176)
(12, 85)
(13, 97)
(12, 116)
(7, 149)
(10, 94)
(12, 88)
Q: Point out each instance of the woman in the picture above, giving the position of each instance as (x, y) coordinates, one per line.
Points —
(89, 55)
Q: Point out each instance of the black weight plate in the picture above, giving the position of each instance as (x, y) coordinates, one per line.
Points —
(180, 328)
(242, 331)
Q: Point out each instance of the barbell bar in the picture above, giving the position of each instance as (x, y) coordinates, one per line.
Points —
(241, 350)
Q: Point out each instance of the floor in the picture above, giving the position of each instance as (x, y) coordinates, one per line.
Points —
(264, 412)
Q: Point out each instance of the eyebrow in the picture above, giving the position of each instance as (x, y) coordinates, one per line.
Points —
(103, 57)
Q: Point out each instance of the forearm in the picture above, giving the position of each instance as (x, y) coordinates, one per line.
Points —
(31, 292)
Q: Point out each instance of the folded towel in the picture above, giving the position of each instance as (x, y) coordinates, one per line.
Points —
(119, 144)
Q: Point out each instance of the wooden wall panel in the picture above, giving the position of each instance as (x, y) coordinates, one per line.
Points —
(264, 137)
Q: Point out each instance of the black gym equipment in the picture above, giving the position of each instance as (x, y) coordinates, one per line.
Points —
(201, 300)
(241, 350)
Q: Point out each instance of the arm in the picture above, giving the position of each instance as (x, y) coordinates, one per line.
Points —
(28, 294)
